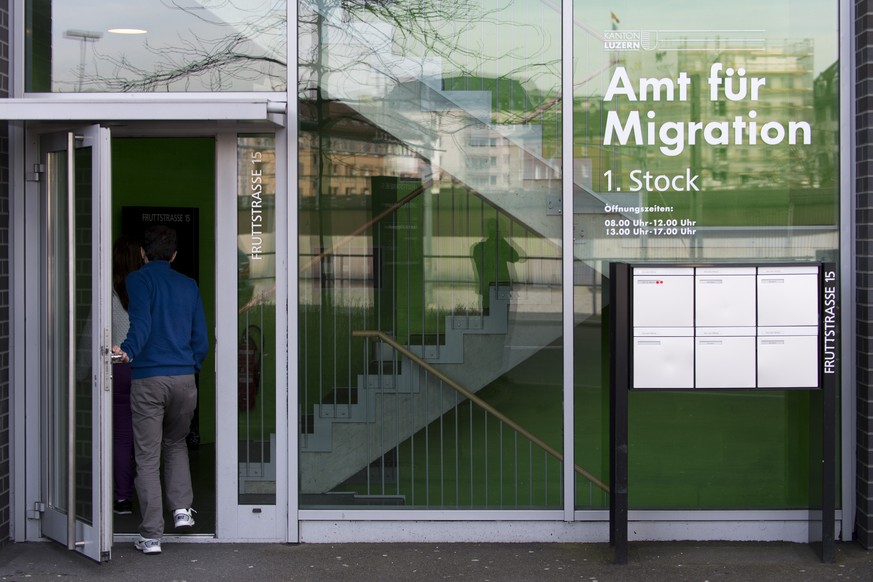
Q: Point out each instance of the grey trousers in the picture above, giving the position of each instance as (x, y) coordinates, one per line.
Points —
(162, 408)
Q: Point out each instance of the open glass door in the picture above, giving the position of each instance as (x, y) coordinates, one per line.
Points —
(76, 447)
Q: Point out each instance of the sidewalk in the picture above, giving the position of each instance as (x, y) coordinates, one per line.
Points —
(648, 562)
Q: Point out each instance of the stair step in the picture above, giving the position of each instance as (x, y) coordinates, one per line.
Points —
(341, 396)
(427, 339)
(383, 381)
(389, 374)
(254, 451)
(385, 367)
(335, 498)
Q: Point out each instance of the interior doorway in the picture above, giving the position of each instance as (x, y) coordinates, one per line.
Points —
(172, 181)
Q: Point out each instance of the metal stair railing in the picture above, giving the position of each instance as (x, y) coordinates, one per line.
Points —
(382, 336)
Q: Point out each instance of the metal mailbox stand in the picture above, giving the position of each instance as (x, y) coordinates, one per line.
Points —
(822, 502)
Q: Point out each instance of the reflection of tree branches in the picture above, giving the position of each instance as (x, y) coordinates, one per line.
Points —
(253, 52)
(440, 30)
(199, 12)
(456, 36)
(223, 61)
(428, 29)
(803, 166)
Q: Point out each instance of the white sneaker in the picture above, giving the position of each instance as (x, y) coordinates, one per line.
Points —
(147, 545)
(184, 517)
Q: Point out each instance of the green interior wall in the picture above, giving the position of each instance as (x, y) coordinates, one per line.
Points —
(175, 172)
(709, 450)
(400, 240)
(38, 46)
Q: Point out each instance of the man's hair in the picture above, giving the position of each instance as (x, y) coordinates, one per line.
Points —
(159, 243)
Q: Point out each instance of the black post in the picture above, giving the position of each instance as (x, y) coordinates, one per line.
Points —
(830, 358)
(619, 368)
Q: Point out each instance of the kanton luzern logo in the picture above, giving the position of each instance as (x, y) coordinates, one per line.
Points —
(630, 40)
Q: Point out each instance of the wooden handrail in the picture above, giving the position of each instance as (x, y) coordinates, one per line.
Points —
(478, 401)
(388, 211)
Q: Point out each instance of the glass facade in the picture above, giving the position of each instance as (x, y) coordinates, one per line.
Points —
(430, 271)
(431, 370)
(704, 134)
(430, 210)
(141, 46)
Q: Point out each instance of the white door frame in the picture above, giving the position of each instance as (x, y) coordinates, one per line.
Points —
(233, 523)
(261, 522)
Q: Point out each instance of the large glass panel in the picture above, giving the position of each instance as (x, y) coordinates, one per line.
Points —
(61, 358)
(75, 46)
(58, 349)
(256, 285)
(84, 282)
(430, 254)
(706, 133)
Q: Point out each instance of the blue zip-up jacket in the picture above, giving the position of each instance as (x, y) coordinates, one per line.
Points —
(167, 335)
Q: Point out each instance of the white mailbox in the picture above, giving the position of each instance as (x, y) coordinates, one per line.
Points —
(788, 296)
(788, 361)
(716, 327)
(725, 297)
(663, 362)
(663, 297)
(725, 362)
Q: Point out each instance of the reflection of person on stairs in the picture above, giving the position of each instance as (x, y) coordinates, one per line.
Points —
(491, 257)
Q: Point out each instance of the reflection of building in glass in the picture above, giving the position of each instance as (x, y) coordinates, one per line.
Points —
(340, 152)
(442, 143)
(590, 157)
(455, 130)
(441, 134)
(827, 124)
(491, 159)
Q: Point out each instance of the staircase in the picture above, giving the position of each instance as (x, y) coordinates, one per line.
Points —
(398, 396)
(451, 131)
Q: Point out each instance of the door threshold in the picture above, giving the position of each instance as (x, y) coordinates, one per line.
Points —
(196, 538)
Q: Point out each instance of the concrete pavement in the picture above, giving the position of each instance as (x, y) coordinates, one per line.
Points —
(648, 562)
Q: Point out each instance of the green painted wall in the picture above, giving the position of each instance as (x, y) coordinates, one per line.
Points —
(175, 172)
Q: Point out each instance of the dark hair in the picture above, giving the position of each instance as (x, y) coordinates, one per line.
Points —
(159, 242)
(126, 258)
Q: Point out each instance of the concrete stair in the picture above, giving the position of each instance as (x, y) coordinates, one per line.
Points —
(402, 398)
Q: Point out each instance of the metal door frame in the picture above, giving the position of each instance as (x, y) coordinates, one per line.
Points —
(91, 539)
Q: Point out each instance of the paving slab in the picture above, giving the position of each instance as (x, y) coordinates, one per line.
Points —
(647, 562)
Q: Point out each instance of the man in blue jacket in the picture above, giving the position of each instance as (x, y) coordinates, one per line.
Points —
(166, 345)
